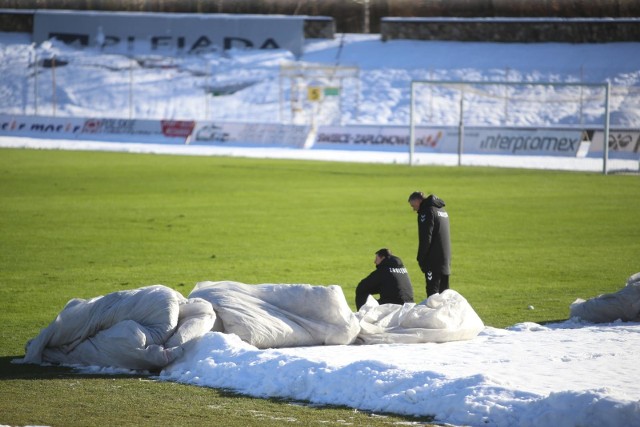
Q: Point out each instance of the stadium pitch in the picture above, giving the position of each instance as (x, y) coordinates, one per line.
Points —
(81, 224)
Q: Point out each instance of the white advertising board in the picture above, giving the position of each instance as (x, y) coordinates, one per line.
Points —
(386, 138)
(251, 134)
(548, 142)
(532, 142)
(152, 131)
(622, 143)
(35, 126)
(169, 33)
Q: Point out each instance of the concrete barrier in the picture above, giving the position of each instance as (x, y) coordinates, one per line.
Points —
(513, 30)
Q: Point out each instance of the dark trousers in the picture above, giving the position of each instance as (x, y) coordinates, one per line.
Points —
(436, 282)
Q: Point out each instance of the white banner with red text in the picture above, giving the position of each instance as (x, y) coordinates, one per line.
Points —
(117, 130)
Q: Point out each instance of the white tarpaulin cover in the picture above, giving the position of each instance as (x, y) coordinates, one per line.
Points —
(440, 318)
(280, 315)
(622, 305)
(147, 328)
(144, 328)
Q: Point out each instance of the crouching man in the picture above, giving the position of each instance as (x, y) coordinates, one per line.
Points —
(390, 280)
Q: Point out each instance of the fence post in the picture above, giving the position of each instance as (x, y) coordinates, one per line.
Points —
(53, 85)
(461, 128)
(130, 88)
(605, 142)
(412, 133)
(35, 82)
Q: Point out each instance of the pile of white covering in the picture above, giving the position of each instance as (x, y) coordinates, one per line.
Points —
(143, 329)
(622, 305)
(440, 318)
(150, 327)
(272, 316)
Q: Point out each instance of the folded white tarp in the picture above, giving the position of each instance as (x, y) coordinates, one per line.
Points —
(148, 328)
(440, 318)
(281, 315)
(622, 305)
(144, 328)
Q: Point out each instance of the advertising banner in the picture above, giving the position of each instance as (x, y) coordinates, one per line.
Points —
(47, 127)
(151, 131)
(155, 131)
(386, 138)
(379, 138)
(622, 143)
(250, 134)
(528, 142)
(169, 33)
(547, 142)
(177, 128)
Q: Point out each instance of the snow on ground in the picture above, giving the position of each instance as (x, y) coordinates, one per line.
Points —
(564, 374)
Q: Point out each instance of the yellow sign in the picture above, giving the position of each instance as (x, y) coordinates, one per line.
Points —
(314, 93)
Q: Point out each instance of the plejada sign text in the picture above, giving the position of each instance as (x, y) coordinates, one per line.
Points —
(169, 33)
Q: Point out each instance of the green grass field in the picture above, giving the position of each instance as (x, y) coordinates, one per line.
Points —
(83, 224)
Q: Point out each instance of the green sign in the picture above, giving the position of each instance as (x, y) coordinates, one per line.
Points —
(331, 91)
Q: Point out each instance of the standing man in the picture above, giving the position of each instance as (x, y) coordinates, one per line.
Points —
(434, 243)
(390, 279)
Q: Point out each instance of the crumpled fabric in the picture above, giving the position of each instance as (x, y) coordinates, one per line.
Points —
(281, 315)
(443, 317)
(149, 328)
(142, 329)
(622, 305)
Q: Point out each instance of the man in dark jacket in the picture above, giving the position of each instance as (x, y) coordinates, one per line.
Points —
(390, 279)
(434, 247)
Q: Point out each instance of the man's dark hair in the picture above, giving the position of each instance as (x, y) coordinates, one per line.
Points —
(384, 253)
(416, 195)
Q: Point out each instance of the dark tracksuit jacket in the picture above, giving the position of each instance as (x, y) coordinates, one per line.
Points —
(434, 243)
(390, 279)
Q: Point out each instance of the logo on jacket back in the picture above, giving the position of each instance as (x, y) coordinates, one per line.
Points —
(398, 270)
(443, 214)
